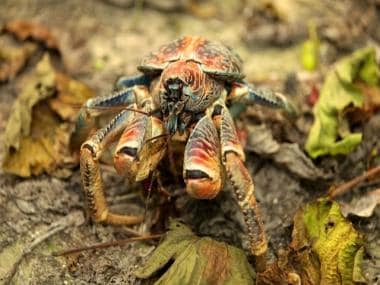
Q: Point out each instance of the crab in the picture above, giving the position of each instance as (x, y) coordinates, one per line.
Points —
(182, 93)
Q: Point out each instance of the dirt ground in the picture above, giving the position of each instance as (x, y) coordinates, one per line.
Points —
(103, 39)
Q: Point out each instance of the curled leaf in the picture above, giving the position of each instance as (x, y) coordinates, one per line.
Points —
(36, 136)
(325, 249)
(330, 132)
(261, 141)
(196, 260)
(327, 245)
(24, 30)
(13, 58)
(71, 93)
(363, 206)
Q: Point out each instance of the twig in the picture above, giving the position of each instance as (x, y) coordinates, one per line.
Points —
(74, 218)
(106, 244)
(343, 188)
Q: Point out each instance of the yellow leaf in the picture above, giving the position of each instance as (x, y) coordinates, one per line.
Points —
(36, 135)
(328, 246)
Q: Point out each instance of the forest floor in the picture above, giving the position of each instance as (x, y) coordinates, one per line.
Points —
(101, 40)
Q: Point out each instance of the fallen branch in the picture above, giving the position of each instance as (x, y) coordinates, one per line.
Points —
(343, 188)
(106, 244)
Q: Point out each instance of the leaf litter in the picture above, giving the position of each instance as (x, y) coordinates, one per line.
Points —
(55, 109)
(196, 260)
(13, 57)
(37, 135)
(330, 133)
(325, 249)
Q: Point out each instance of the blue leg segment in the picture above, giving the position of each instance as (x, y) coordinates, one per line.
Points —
(249, 95)
(129, 81)
(95, 107)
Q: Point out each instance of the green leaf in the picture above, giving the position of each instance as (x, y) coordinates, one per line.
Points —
(196, 260)
(328, 246)
(338, 92)
(310, 49)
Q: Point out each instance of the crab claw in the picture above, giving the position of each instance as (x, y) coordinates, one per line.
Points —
(202, 164)
(126, 158)
(200, 185)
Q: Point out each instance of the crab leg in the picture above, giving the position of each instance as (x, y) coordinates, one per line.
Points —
(97, 106)
(92, 181)
(248, 94)
(202, 166)
(237, 173)
(130, 81)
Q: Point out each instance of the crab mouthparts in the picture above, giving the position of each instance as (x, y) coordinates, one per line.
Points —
(173, 120)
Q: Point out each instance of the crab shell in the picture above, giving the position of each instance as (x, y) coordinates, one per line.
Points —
(214, 58)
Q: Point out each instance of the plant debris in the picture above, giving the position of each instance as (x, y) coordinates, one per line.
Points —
(196, 260)
(362, 206)
(36, 139)
(290, 155)
(325, 249)
(24, 30)
(310, 49)
(330, 132)
(13, 58)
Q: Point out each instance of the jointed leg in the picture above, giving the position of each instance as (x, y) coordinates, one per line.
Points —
(92, 181)
(243, 186)
(129, 81)
(237, 173)
(97, 106)
(248, 94)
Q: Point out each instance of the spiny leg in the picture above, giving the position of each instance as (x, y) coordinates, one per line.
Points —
(92, 181)
(202, 166)
(129, 81)
(237, 173)
(97, 106)
(248, 94)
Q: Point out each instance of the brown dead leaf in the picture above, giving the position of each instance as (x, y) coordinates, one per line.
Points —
(371, 104)
(260, 140)
(363, 206)
(71, 94)
(36, 135)
(13, 58)
(24, 30)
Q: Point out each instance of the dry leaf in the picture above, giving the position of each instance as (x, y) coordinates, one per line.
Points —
(363, 206)
(261, 141)
(13, 58)
(36, 137)
(28, 30)
(196, 260)
(71, 94)
(325, 249)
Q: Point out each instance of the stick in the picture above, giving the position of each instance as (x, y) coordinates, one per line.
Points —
(343, 188)
(106, 244)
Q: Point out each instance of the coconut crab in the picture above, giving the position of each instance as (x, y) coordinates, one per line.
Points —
(183, 91)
